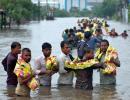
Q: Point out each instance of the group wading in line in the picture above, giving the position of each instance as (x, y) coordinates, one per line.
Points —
(92, 53)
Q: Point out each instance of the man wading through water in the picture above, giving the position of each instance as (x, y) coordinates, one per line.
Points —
(9, 63)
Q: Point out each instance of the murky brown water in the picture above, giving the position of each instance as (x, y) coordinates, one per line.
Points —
(34, 34)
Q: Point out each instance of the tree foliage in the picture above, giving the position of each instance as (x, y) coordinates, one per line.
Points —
(61, 13)
(18, 9)
(107, 8)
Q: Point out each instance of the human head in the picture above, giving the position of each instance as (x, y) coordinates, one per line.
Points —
(66, 31)
(104, 45)
(74, 28)
(71, 31)
(98, 31)
(26, 54)
(16, 48)
(46, 49)
(125, 31)
(89, 54)
(65, 47)
(87, 34)
(113, 30)
(90, 26)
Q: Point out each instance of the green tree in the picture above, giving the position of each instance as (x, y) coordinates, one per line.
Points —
(18, 10)
(74, 11)
(85, 13)
(60, 13)
(107, 8)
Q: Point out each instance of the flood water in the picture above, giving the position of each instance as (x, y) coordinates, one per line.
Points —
(32, 35)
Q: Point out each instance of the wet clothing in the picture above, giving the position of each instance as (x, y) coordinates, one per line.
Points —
(4, 63)
(92, 42)
(81, 48)
(22, 90)
(65, 36)
(108, 74)
(65, 77)
(107, 79)
(22, 70)
(84, 78)
(84, 72)
(44, 79)
(11, 62)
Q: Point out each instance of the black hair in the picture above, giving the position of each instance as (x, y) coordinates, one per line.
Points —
(125, 31)
(104, 40)
(87, 34)
(74, 27)
(90, 25)
(66, 30)
(71, 30)
(98, 30)
(62, 44)
(46, 45)
(15, 44)
(26, 49)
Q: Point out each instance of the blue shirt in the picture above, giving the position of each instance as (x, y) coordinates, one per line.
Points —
(92, 42)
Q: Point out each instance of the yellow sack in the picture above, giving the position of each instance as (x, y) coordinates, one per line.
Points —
(110, 53)
(80, 35)
(33, 84)
(80, 65)
(22, 70)
(51, 62)
(110, 69)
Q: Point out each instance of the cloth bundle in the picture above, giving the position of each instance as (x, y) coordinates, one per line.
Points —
(51, 63)
(80, 65)
(24, 70)
(110, 53)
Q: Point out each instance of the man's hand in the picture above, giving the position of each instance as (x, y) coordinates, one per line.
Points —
(99, 65)
(49, 72)
(112, 60)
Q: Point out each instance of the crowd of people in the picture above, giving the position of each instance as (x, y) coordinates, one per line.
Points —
(92, 53)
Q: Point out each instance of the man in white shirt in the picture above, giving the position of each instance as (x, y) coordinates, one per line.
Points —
(65, 77)
(44, 75)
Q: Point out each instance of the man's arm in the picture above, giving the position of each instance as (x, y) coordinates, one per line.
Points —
(61, 65)
(39, 69)
(24, 81)
(115, 61)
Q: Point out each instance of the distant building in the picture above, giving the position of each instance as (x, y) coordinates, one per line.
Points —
(68, 4)
(99, 1)
(81, 4)
(52, 3)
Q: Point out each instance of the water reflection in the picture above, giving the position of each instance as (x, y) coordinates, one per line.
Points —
(105, 92)
(10, 91)
(13, 33)
(44, 91)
